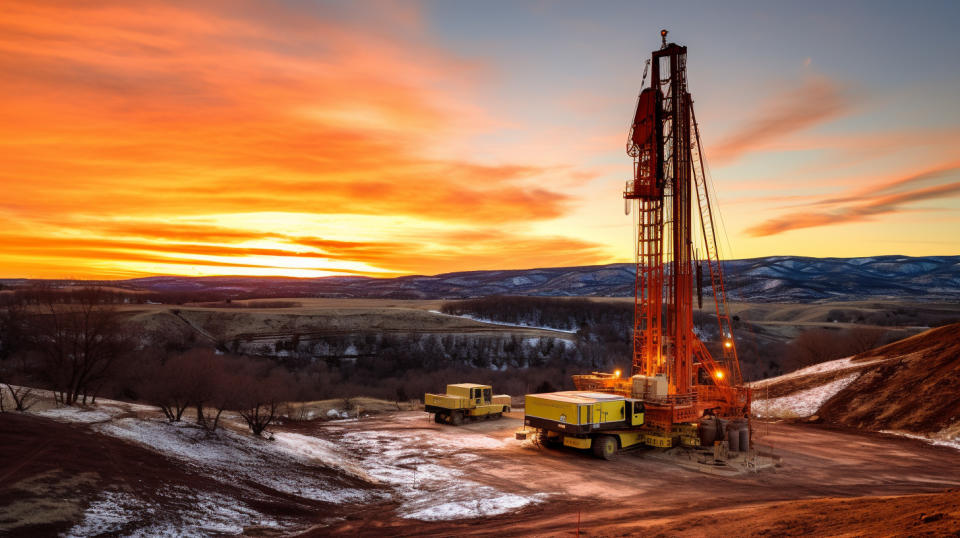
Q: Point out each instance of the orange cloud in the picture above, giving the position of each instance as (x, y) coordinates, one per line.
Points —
(887, 198)
(815, 100)
(454, 252)
(116, 117)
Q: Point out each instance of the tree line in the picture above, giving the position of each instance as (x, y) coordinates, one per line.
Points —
(605, 328)
(45, 293)
(80, 348)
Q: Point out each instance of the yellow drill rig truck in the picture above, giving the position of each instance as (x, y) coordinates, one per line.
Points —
(602, 422)
(466, 401)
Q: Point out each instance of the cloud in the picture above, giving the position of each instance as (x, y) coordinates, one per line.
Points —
(119, 119)
(887, 198)
(816, 100)
(163, 106)
(455, 251)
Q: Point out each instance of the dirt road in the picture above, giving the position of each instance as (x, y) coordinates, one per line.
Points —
(630, 494)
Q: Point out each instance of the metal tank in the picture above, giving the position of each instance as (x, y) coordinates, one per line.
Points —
(733, 437)
(710, 430)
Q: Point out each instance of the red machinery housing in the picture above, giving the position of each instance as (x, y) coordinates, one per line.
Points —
(668, 189)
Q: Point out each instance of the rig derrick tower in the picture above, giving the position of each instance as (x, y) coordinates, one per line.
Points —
(668, 196)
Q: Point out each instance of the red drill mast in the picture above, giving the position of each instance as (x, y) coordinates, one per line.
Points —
(668, 179)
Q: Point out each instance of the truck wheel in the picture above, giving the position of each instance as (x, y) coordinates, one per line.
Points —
(438, 418)
(456, 418)
(544, 440)
(605, 446)
(506, 409)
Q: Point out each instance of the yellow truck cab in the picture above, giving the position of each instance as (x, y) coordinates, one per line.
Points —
(582, 419)
(466, 400)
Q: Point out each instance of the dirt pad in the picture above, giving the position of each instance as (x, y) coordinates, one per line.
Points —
(631, 494)
(906, 515)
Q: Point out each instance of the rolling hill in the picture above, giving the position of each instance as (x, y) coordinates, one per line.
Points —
(770, 279)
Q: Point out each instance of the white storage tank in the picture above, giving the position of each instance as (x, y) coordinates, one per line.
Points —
(657, 390)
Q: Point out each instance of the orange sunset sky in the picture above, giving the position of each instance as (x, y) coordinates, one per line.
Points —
(390, 138)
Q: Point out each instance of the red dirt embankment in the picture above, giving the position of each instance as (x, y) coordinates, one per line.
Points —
(51, 472)
(916, 390)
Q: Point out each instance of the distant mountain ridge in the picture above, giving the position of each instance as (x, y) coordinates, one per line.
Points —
(769, 279)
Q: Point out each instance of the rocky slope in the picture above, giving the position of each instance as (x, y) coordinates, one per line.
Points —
(910, 387)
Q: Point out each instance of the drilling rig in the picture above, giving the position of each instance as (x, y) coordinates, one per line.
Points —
(679, 382)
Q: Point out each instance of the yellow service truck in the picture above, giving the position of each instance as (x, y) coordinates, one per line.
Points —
(466, 401)
(587, 420)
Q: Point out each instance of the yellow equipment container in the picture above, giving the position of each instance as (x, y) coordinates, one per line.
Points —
(466, 400)
(583, 419)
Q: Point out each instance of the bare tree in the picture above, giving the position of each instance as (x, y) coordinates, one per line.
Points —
(198, 379)
(260, 401)
(12, 329)
(819, 345)
(215, 388)
(862, 339)
(814, 346)
(168, 386)
(78, 343)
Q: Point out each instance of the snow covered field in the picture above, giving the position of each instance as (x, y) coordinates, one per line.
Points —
(215, 515)
(414, 463)
(228, 456)
(420, 468)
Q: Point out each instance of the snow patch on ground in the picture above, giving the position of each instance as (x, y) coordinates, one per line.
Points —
(108, 514)
(313, 449)
(208, 514)
(828, 366)
(475, 508)
(952, 443)
(407, 462)
(235, 457)
(76, 414)
(423, 468)
(336, 413)
(505, 324)
(219, 514)
(771, 283)
(803, 403)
